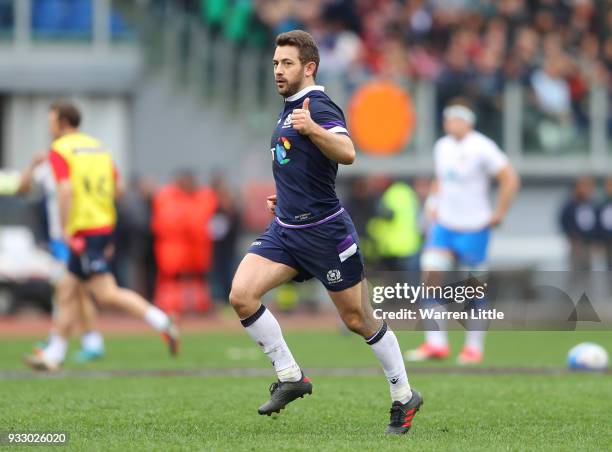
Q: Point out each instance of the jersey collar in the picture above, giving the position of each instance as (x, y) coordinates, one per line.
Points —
(303, 92)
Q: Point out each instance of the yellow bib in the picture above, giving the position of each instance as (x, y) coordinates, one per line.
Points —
(92, 180)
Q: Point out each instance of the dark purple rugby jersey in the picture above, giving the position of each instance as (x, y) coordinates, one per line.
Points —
(305, 178)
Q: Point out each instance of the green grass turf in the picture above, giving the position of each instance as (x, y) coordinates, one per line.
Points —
(311, 349)
(482, 412)
(466, 412)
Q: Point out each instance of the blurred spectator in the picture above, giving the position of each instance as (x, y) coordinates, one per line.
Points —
(488, 97)
(279, 15)
(457, 75)
(361, 205)
(522, 61)
(340, 49)
(422, 187)
(182, 211)
(550, 122)
(395, 229)
(136, 237)
(604, 223)
(224, 229)
(551, 88)
(578, 221)
(120, 264)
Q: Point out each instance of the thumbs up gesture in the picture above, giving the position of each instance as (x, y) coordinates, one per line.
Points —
(301, 120)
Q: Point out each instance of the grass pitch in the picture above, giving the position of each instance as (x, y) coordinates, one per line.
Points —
(475, 412)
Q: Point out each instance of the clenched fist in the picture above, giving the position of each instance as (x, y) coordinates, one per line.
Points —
(271, 203)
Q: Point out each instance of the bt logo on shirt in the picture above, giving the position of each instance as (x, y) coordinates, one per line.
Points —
(280, 151)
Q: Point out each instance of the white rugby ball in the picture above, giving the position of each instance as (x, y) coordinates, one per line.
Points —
(587, 356)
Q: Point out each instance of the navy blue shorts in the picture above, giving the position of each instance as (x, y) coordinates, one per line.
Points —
(92, 260)
(328, 252)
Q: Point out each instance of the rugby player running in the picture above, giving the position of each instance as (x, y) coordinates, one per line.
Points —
(312, 235)
(87, 184)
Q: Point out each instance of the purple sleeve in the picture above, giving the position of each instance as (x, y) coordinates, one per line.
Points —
(330, 119)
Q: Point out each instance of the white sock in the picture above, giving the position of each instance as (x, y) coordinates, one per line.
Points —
(386, 348)
(477, 329)
(56, 348)
(92, 340)
(157, 318)
(265, 330)
(475, 339)
(437, 338)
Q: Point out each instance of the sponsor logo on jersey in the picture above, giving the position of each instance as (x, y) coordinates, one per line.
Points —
(282, 146)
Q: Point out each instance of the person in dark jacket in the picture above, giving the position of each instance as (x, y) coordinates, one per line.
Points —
(604, 223)
(578, 221)
(225, 231)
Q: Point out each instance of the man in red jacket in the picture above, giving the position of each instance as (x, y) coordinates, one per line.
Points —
(183, 245)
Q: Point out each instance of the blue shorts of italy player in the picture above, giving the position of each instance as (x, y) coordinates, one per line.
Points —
(328, 250)
(469, 247)
(93, 259)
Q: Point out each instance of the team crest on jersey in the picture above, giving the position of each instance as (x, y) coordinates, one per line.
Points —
(287, 122)
(280, 151)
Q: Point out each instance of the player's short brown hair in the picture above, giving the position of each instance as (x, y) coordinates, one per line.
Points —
(67, 112)
(303, 41)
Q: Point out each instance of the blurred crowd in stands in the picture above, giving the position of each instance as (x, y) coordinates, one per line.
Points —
(554, 49)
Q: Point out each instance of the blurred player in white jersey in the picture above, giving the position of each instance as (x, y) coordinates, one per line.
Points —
(462, 217)
(40, 172)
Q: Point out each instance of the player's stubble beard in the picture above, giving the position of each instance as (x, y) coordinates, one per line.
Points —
(292, 88)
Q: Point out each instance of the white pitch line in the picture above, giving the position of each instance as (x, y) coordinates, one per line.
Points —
(261, 372)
